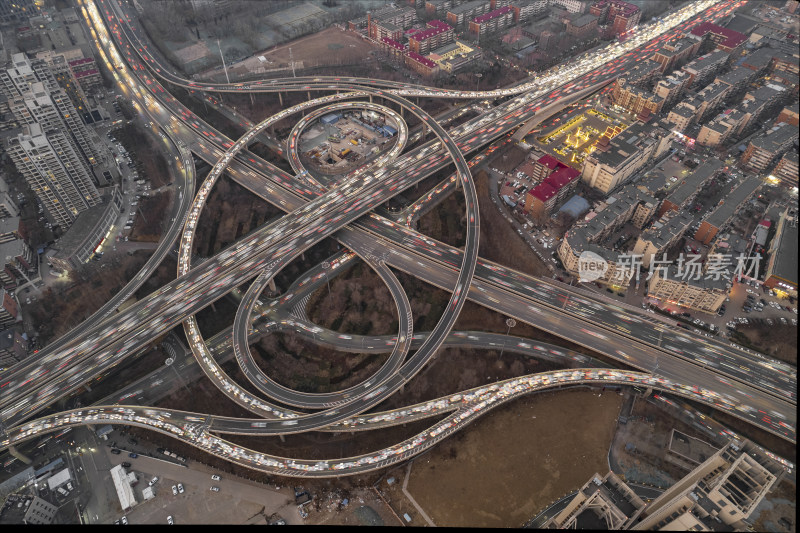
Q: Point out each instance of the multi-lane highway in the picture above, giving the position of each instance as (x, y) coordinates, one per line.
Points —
(317, 214)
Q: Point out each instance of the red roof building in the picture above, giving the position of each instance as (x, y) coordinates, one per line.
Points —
(727, 40)
(421, 64)
(435, 36)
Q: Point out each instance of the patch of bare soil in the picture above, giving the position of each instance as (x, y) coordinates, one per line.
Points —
(509, 465)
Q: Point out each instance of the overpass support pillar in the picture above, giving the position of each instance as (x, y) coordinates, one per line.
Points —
(370, 99)
(272, 286)
(252, 99)
(647, 392)
(280, 98)
(16, 453)
(283, 438)
(308, 94)
(87, 387)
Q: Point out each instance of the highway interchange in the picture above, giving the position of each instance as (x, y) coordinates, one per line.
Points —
(316, 214)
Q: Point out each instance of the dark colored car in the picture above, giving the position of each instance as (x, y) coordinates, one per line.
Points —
(115, 451)
(133, 455)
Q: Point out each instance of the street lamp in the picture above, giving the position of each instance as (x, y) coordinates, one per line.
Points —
(326, 266)
(169, 362)
(510, 322)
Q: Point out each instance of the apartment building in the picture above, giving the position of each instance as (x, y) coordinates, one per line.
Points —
(764, 150)
(385, 22)
(786, 170)
(705, 295)
(12, 348)
(726, 40)
(491, 22)
(684, 194)
(704, 68)
(671, 88)
(8, 207)
(572, 6)
(719, 219)
(524, 10)
(34, 95)
(635, 99)
(436, 35)
(393, 48)
(675, 53)
(644, 73)
(781, 273)
(440, 7)
(789, 115)
(583, 28)
(53, 170)
(542, 199)
(9, 311)
(620, 16)
(611, 165)
(737, 79)
(18, 263)
(729, 123)
(661, 236)
(421, 64)
(459, 16)
(630, 204)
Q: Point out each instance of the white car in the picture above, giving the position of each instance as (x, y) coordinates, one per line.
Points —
(215, 477)
(174, 490)
(153, 481)
(169, 520)
(180, 488)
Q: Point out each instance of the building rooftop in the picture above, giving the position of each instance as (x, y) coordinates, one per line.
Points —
(543, 192)
(706, 61)
(492, 15)
(583, 20)
(82, 227)
(693, 182)
(774, 139)
(436, 27)
(464, 8)
(394, 44)
(11, 249)
(742, 23)
(732, 38)
(550, 162)
(785, 260)
(735, 76)
(421, 59)
(664, 231)
(733, 201)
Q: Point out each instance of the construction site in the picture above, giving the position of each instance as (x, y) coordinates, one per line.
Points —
(342, 141)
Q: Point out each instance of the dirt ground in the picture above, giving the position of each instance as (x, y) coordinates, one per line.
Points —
(508, 466)
(499, 242)
(779, 341)
(778, 510)
(331, 46)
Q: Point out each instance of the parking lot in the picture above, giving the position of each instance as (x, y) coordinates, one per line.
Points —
(237, 502)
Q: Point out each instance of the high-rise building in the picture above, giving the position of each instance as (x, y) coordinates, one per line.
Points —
(34, 95)
(54, 171)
